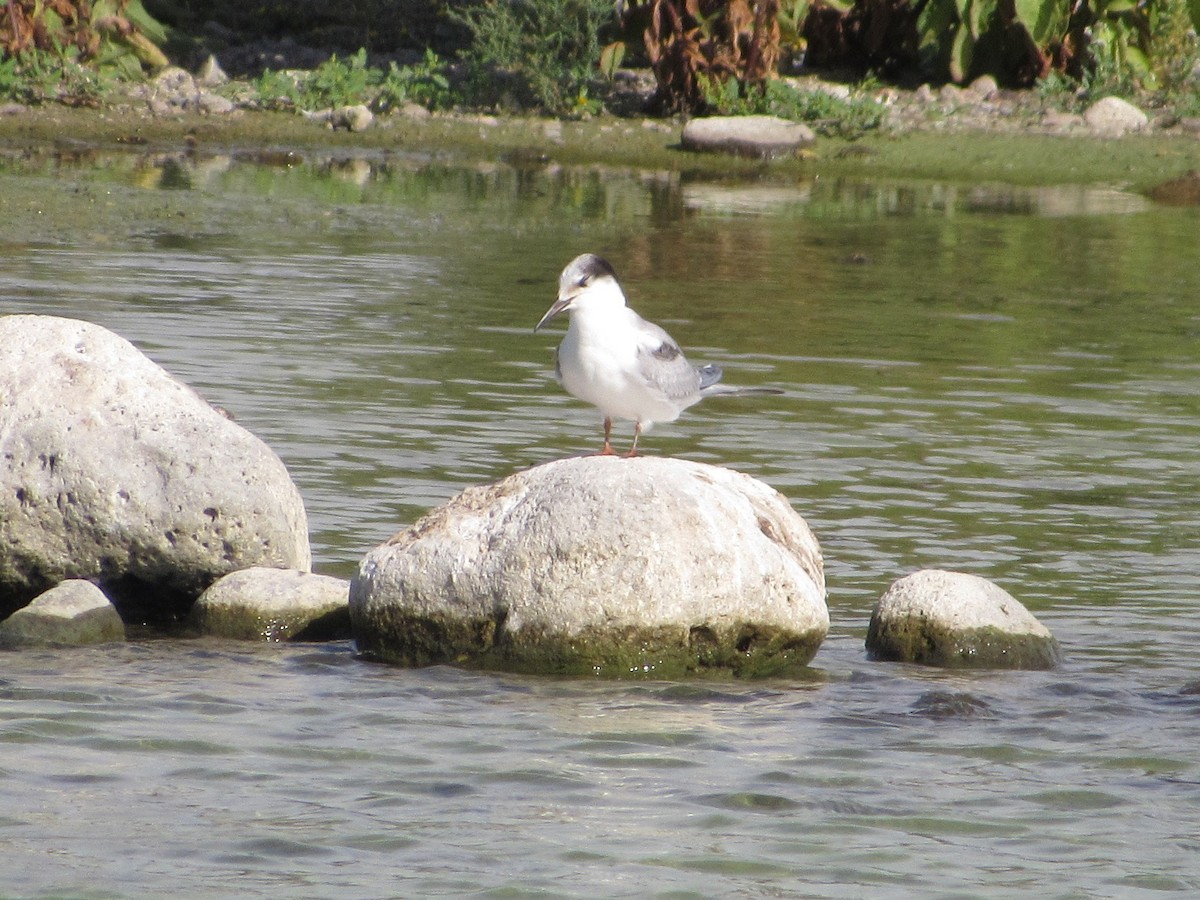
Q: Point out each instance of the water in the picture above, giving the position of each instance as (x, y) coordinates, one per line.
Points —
(991, 379)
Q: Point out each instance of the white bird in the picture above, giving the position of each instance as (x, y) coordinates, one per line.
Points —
(615, 360)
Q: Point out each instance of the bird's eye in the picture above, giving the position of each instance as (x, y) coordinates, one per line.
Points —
(584, 280)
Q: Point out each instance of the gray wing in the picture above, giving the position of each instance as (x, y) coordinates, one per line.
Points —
(663, 365)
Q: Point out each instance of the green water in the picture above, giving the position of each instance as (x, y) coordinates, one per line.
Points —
(992, 379)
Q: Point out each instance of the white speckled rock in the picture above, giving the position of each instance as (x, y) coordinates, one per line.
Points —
(118, 473)
(261, 604)
(758, 136)
(1113, 117)
(600, 565)
(945, 618)
(73, 613)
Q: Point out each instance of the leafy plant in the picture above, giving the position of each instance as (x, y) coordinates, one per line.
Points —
(690, 43)
(277, 90)
(118, 35)
(425, 83)
(336, 82)
(38, 76)
(1103, 42)
(544, 51)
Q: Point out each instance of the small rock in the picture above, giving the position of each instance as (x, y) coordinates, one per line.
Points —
(1113, 117)
(1059, 122)
(763, 137)
(411, 110)
(351, 118)
(923, 94)
(214, 104)
(984, 88)
(211, 74)
(950, 93)
(73, 613)
(263, 604)
(952, 619)
(13, 109)
(600, 566)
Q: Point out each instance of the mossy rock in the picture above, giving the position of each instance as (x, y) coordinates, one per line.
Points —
(623, 568)
(954, 620)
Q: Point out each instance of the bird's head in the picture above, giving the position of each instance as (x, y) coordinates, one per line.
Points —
(587, 280)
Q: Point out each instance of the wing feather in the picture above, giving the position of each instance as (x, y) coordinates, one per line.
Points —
(663, 365)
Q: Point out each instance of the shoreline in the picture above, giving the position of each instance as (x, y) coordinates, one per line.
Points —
(972, 142)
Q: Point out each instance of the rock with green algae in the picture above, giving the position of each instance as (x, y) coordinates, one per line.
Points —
(73, 613)
(273, 605)
(956, 620)
(603, 566)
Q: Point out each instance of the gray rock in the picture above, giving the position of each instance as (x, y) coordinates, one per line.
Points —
(71, 614)
(1113, 117)
(118, 473)
(1059, 122)
(600, 565)
(211, 74)
(763, 137)
(349, 118)
(952, 619)
(262, 604)
(984, 88)
(174, 90)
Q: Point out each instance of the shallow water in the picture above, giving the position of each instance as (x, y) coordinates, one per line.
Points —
(996, 380)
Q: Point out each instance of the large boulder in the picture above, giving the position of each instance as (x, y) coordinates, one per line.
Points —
(273, 605)
(600, 565)
(1114, 117)
(956, 620)
(70, 614)
(762, 137)
(117, 473)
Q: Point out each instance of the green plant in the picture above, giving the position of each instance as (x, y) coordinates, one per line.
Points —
(38, 76)
(336, 82)
(544, 51)
(276, 90)
(1107, 44)
(425, 83)
(118, 36)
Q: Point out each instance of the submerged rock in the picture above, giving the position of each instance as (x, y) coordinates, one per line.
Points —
(73, 613)
(1182, 191)
(262, 604)
(757, 136)
(952, 619)
(600, 565)
(118, 473)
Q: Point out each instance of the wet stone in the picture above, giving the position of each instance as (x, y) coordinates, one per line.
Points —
(956, 620)
(606, 566)
(273, 605)
(73, 613)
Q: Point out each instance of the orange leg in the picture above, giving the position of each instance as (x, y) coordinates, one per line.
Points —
(637, 433)
(608, 450)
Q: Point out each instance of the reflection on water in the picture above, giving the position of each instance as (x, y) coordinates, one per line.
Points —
(991, 379)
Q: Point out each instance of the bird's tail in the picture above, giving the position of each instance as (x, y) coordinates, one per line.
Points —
(732, 390)
(710, 386)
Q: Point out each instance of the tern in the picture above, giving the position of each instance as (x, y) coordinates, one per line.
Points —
(615, 360)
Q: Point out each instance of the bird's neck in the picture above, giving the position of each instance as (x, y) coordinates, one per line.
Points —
(603, 301)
